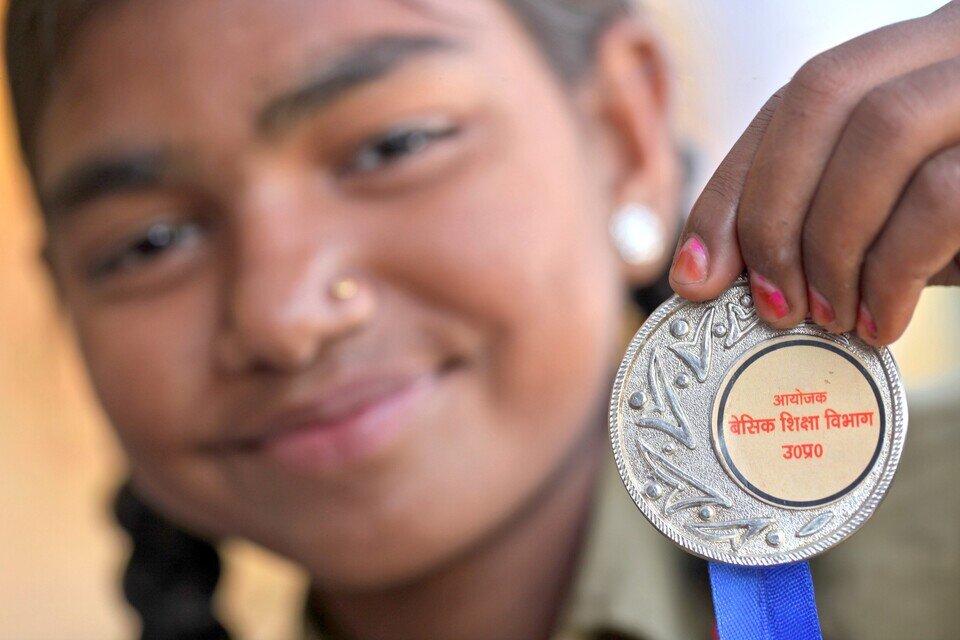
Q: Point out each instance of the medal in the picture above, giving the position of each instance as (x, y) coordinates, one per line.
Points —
(751, 446)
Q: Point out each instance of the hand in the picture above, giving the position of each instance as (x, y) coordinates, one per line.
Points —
(842, 199)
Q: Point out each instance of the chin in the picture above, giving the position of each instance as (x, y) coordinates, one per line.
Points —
(377, 569)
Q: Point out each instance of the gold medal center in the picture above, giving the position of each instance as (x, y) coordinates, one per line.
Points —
(798, 422)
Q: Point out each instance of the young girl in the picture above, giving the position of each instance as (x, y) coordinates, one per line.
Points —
(349, 279)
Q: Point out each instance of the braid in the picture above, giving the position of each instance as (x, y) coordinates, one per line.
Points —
(170, 577)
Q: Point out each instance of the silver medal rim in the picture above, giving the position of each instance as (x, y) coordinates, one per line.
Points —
(898, 429)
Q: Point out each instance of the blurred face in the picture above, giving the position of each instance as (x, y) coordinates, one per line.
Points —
(340, 270)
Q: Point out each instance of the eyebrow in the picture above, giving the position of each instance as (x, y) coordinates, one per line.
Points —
(365, 63)
(99, 176)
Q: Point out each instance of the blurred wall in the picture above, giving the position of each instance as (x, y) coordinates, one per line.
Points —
(59, 554)
(56, 552)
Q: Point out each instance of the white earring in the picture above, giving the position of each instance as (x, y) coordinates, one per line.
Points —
(638, 234)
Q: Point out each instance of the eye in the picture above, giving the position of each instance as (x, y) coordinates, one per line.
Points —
(396, 145)
(158, 240)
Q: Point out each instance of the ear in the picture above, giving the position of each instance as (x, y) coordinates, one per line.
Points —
(630, 96)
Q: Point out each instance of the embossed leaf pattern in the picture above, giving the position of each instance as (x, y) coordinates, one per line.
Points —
(736, 532)
(740, 322)
(816, 525)
(680, 483)
(665, 402)
(698, 352)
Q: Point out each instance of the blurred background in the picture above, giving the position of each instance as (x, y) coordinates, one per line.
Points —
(60, 557)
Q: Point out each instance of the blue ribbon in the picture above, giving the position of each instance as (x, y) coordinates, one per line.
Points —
(764, 603)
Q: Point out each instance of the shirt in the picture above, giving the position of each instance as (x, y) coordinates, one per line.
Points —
(899, 577)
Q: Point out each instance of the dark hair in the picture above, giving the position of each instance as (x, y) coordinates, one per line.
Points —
(171, 575)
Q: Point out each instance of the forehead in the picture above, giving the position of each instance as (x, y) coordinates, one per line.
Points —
(139, 67)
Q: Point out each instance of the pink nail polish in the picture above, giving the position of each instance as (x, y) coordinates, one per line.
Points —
(866, 325)
(692, 262)
(820, 307)
(769, 297)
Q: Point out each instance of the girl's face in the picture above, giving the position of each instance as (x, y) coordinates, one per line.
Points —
(213, 170)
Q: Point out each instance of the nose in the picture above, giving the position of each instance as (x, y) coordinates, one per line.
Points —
(291, 293)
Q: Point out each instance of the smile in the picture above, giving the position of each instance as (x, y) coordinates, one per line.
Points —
(351, 424)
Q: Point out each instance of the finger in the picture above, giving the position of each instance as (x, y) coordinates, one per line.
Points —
(920, 242)
(798, 144)
(949, 276)
(891, 132)
(708, 258)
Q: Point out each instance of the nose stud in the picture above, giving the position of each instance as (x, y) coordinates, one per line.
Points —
(344, 289)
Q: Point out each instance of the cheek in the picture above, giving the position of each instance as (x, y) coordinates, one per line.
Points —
(554, 356)
(520, 247)
(548, 273)
(148, 362)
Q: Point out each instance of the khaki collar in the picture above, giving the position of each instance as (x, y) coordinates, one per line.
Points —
(632, 580)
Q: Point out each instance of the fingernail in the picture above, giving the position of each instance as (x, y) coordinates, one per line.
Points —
(866, 325)
(692, 262)
(769, 297)
(820, 307)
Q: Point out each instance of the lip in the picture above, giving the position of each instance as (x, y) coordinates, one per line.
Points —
(346, 425)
